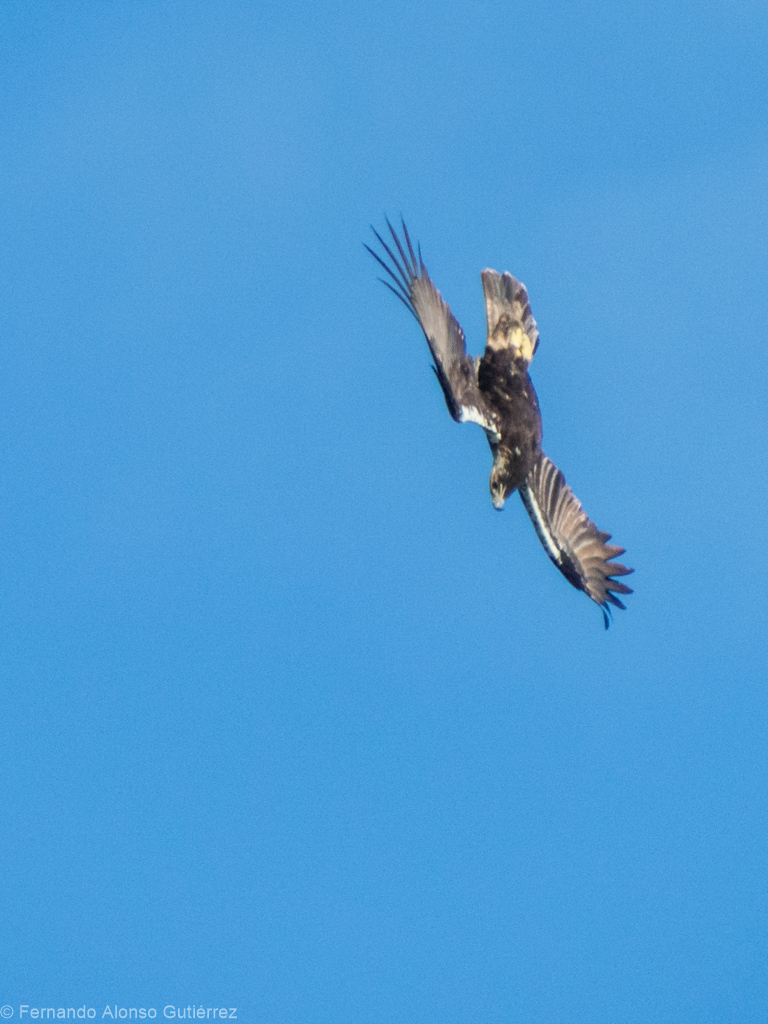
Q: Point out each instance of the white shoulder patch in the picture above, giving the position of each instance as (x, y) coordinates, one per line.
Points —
(471, 414)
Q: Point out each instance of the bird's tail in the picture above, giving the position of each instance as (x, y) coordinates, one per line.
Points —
(508, 312)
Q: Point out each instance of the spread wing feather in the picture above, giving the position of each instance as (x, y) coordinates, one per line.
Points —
(573, 542)
(455, 370)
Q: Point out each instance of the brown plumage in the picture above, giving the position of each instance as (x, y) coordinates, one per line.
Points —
(496, 392)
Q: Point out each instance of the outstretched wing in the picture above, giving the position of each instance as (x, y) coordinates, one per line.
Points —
(508, 312)
(573, 542)
(456, 371)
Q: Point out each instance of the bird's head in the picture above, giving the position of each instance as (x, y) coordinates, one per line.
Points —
(499, 488)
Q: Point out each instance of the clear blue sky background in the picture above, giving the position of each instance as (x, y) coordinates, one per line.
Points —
(290, 718)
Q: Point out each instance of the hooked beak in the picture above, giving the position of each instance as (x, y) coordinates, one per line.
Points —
(498, 503)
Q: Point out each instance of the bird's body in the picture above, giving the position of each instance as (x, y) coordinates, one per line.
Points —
(506, 386)
(496, 392)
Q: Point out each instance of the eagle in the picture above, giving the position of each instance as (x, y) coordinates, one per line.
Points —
(495, 391)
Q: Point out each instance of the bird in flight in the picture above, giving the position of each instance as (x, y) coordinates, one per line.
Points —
(495, 391)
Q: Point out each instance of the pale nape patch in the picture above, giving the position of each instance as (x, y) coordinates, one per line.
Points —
(525, 346)
(505, 337)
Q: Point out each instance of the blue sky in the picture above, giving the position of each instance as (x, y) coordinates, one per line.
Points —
(291, 720)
